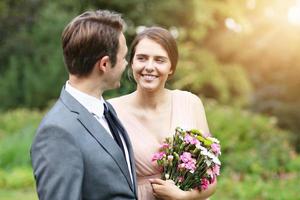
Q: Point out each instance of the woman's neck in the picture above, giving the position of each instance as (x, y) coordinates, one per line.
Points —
(152, 100)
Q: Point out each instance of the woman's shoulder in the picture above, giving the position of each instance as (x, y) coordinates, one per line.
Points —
(186, 95)
(119, 102)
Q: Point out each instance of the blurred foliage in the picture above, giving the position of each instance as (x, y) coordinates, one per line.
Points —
(19, 177)
(200, 72)
(16, 132)
(230, 50)
(251, 35)
(252, 140)
(20, 193)
(11, 122)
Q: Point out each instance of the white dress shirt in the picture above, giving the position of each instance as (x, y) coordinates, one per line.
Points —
(96, 108)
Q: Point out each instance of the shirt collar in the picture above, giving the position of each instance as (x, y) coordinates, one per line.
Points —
(92, 104)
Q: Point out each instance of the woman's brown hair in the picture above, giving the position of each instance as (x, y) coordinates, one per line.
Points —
(164, 38)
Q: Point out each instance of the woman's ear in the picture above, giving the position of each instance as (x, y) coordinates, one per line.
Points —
(103, 63)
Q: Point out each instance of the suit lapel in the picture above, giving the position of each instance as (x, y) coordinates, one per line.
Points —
(128, 144)
(98, 132)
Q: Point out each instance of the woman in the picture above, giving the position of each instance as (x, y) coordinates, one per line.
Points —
(152, 112)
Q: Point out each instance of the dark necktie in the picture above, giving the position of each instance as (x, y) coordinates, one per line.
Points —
(114, 127)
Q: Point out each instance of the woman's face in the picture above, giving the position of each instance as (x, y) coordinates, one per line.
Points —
(151, 65)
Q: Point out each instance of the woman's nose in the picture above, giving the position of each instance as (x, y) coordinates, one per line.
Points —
(149, 66)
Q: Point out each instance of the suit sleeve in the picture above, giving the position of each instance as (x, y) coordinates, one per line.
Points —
(57, 164)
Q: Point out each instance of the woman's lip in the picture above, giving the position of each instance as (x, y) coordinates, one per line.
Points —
(149, 77)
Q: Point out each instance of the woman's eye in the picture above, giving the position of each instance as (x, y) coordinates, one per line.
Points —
(160, 60)
(140, 58)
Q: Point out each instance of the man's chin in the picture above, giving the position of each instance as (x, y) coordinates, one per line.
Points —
(116, 86)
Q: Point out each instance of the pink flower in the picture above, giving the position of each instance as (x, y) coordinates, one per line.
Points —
(210, 172)
(216, 169)
(216, 148)
(158, 156)
(188, 139)
(170, 158)
(195, 141)
(181, 166)
(164, 146)
(186, 157)
(191, 140)
(204, 183)
(180, 179)
(191, 165)
(206, 134)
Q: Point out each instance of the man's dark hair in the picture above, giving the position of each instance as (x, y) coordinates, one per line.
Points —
(89, 37)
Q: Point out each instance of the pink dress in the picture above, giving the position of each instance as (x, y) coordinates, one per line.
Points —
(187, 112)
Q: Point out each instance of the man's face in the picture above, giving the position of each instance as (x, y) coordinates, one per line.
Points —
(115, 72)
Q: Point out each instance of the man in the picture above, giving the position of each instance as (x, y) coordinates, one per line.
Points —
(81, 151)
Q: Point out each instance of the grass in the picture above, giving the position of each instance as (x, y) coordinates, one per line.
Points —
(16, 194)
(230, 187)
(252, 187)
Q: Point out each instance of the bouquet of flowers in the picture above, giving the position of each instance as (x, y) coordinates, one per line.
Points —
(190, 159)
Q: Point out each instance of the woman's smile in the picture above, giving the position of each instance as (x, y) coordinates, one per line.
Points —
(149, 77)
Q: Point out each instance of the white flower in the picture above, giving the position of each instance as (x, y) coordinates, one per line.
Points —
(208, 162)
(199, 146)
(211, 155)
(204, 152)
(216, 161)
(214, 158)
(167, 176)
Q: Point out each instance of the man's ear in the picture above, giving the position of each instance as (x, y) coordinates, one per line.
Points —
(103, 63)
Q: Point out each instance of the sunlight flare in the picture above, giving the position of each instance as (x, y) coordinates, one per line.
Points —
(294, 14)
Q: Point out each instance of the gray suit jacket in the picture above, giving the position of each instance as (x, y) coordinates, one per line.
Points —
(73, 157)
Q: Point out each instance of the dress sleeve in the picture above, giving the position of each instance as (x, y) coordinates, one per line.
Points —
(199, 113)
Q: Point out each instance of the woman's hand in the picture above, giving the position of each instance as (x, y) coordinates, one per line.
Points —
(166, 190)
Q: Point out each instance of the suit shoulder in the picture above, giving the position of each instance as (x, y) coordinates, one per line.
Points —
(58, 116)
